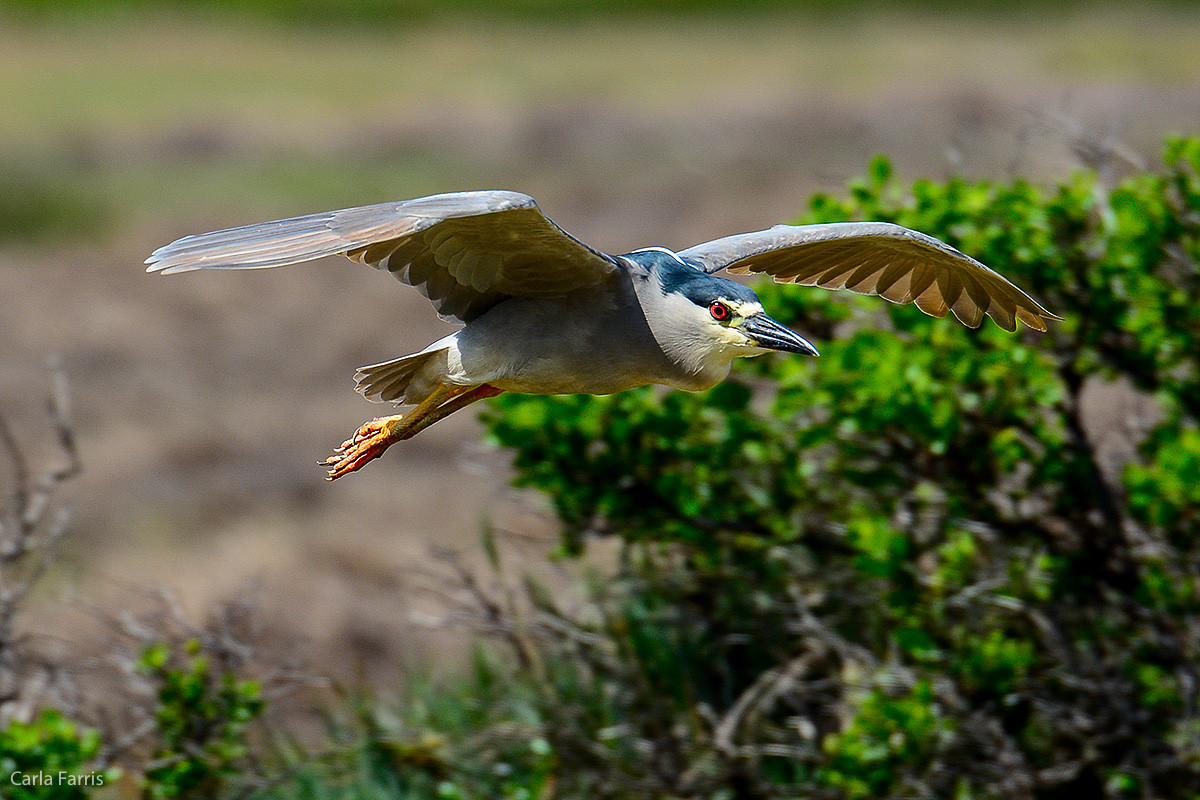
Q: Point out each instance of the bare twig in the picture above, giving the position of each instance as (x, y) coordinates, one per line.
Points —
(31, 527)
(762, 693)
(499, 620)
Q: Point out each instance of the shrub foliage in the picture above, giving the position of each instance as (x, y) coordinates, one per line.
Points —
(47, 759)
(918, 565)
(202, 719)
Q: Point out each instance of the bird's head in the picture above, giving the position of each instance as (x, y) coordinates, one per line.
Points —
(712, 317)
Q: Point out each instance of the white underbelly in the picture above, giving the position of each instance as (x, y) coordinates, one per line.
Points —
(542, 348)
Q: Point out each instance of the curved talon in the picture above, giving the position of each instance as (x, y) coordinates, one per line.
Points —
(367, 444)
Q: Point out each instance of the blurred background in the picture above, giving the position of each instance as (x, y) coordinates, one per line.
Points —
(204, 402)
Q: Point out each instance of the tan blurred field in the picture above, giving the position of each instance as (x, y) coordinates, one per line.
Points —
(204, 402)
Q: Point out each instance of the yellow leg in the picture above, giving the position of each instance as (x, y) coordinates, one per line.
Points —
(456, 402)
(378, 435)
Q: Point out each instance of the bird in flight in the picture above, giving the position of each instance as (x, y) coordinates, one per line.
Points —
(544, 313)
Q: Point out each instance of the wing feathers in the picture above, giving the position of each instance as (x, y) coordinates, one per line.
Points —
(891, 273)
(950, 285)
(1004, 312)
(1033, 321)
(865, 278)
(970, 305)
(465, 251)
(898, 264)
(836, 276)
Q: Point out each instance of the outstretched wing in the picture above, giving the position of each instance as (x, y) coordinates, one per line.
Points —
(465, 251)
(898, 264)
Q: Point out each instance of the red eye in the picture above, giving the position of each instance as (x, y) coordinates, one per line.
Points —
(719, 311)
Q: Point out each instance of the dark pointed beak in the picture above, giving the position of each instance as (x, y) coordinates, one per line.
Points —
(770, 335)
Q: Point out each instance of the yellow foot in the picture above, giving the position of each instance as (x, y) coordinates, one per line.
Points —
(368, 443)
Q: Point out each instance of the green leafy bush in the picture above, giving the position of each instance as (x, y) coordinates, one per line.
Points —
(913, 566)
(202, 724)
(47, 760)
(404, 14)
(476, 735)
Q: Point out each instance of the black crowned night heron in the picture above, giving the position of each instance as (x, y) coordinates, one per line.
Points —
(544, 313)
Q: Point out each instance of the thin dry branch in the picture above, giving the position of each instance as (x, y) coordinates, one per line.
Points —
(32, 524)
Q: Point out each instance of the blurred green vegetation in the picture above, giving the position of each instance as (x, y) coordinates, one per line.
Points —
(201, 719)
(408, 12)
(477, 735)
(35, 206)
(48, 746)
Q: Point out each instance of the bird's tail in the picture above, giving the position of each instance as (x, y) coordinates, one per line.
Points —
(389, 381)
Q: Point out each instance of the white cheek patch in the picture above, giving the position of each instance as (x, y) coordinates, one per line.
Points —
(730, 335)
